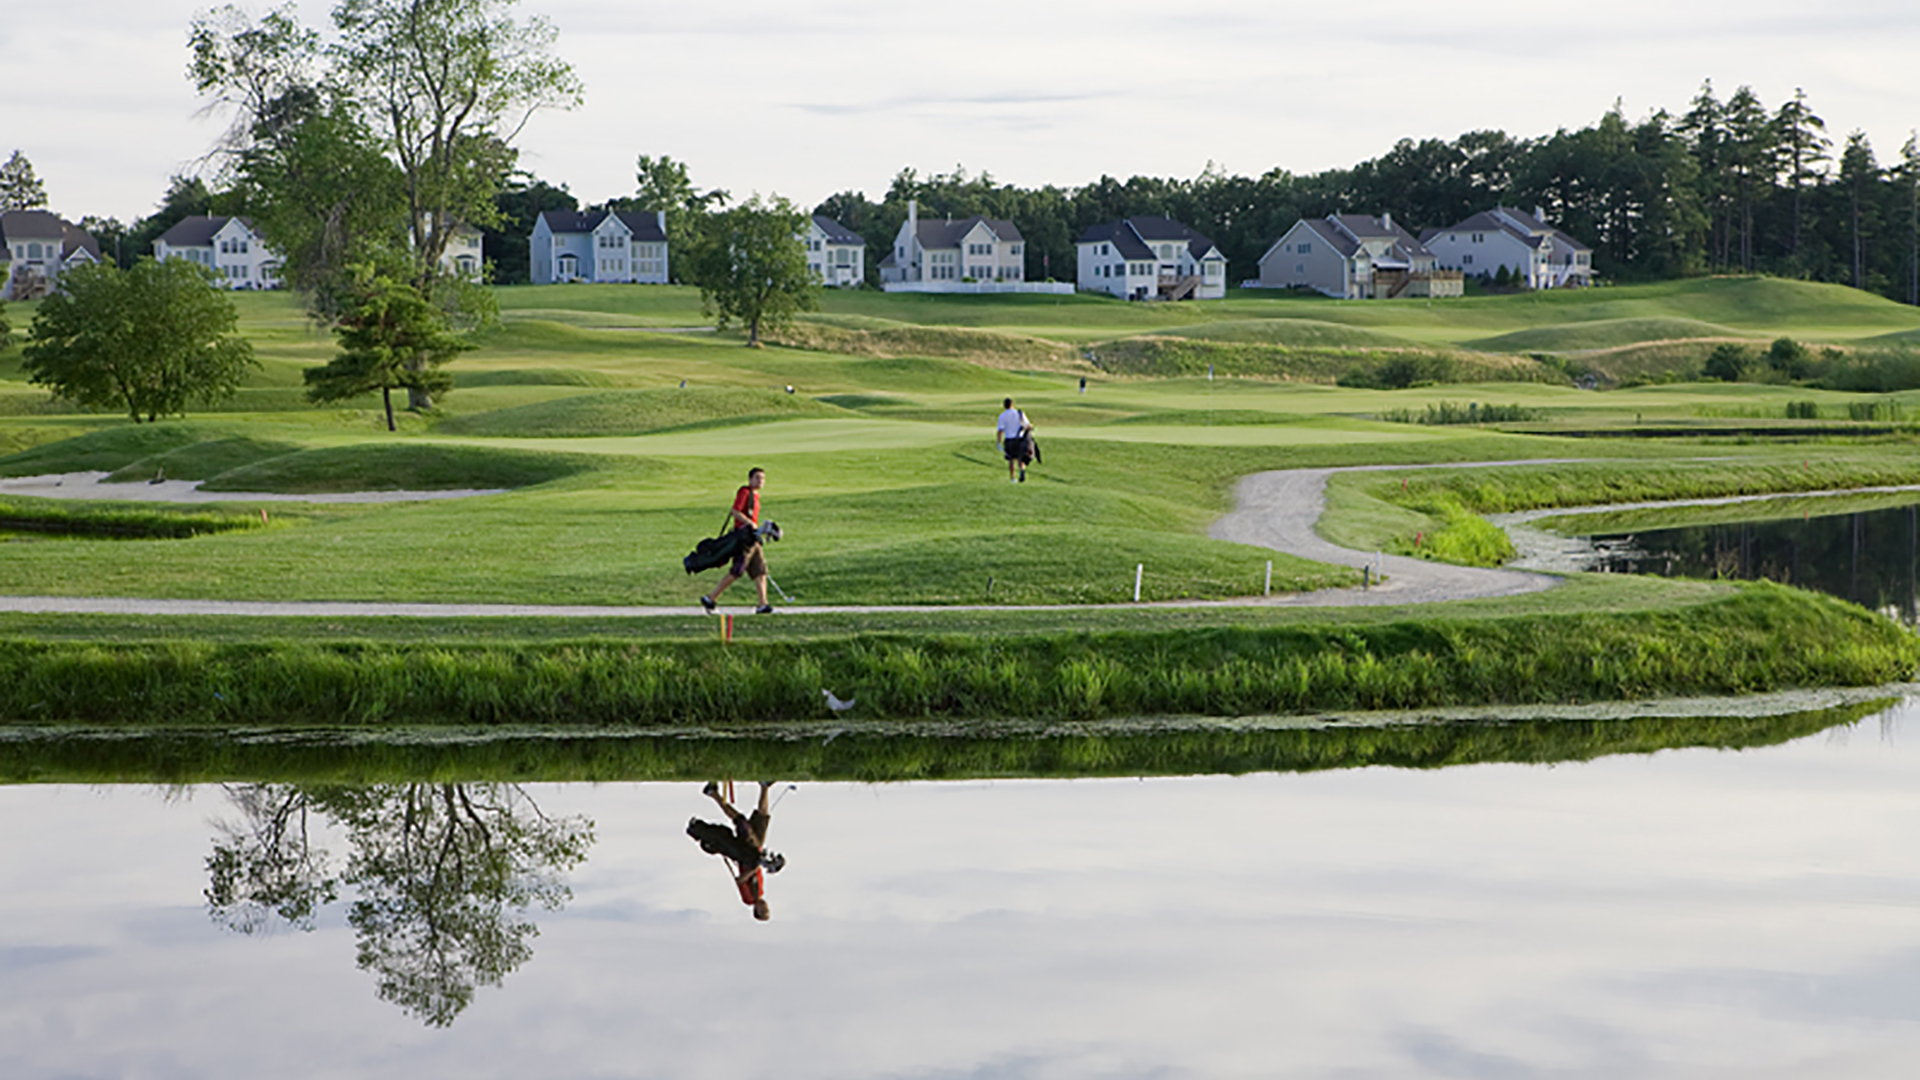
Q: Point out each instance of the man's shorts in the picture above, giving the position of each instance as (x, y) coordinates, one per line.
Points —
(1018, 448)
(751, 563)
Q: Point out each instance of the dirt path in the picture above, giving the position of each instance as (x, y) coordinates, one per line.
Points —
(1276, 510)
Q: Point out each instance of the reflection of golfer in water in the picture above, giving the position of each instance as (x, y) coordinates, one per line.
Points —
(744, 846)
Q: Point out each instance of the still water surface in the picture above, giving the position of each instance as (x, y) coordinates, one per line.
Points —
(1871, 558)
(1688, 913)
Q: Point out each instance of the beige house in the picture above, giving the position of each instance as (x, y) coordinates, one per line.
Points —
(1356, 257)
(942, 256)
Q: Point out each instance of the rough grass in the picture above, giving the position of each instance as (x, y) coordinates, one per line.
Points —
(799, 753)
(987, 348)
(1294, 332)
(57, 518)
(397, 467)
(1757, 638)
(639, 412)
(1162, 356)
(1603, 334)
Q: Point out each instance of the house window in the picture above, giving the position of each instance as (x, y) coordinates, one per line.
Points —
(1014, 250)
(33, 251)
(1478, 237)
(1466, 260)
(1303, 249)
(843, 257)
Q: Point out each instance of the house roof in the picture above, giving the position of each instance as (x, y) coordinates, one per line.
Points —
(32, 225)
(1133, 235)
(75, 239)
(1519, 224)
(940, 235)
(198, 230)
(643, 224)
(836, 233)
(1367, 227)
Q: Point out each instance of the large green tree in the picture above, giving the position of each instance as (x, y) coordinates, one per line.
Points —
(384, 144)
(391, 338)
(149, 340)
(751, 265)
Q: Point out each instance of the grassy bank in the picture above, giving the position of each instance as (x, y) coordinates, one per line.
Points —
(1754, 638)
(174, 756)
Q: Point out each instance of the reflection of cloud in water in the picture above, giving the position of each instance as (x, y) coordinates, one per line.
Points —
(1673, 915)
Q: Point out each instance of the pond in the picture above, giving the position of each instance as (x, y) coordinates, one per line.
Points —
(1871, 558)
(1730, 895)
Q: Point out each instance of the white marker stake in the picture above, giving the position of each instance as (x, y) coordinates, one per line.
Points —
(1269, 588)
(1139, 569)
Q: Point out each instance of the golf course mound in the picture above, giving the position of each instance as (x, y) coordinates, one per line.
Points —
(1605, 334)
(465, 380)
(639, 412)
(105, 451)
(202, 460)
(988, 348)
(1298, 333)
(408, 466)
(1166, 356)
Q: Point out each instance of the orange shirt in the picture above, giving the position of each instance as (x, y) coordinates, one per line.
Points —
(747, 502)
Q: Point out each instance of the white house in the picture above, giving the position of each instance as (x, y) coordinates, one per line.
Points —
(599, 245)
(463, 257)
(39, 247)
(836, 254)
(226, 245)
(1534, 253)
(1355, 257)
(1151, 258)
(974, 254)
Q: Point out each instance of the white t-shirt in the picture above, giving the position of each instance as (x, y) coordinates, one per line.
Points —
(1011, 424)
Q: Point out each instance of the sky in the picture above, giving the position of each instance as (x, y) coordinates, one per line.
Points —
(809, 99)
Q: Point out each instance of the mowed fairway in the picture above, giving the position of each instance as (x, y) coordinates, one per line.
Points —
(882, 467)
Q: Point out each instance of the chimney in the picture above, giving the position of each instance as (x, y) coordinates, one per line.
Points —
(1540, 215)
(660, 219)
(1386, 220)
(913, 238)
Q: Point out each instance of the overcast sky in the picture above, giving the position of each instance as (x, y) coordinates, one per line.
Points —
(812, 98)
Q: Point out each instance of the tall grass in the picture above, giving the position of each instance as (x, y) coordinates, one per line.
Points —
(1760, 637)
(1449, 412)
(37, 516)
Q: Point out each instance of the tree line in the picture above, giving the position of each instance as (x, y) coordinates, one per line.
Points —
(1725, 186)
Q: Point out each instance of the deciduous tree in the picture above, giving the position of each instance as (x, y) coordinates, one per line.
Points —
(751, 266)
(150, 339)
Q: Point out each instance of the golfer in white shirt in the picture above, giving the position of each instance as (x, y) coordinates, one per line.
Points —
(1015, 435)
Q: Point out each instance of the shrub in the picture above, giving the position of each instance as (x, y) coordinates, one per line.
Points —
(1803, 410)
(1790, 358)
(1727, 363)
(1448, 412)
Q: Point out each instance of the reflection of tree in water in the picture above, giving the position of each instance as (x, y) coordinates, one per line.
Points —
(442, 874)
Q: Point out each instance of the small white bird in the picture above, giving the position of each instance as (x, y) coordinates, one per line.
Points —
(789, 388)
(835, 703)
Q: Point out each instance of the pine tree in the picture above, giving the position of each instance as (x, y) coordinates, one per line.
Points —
(1803, 143)
(20, 189)
(1859, 177)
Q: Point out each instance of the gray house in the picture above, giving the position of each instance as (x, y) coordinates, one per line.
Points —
(1356, 257)
(599, 245)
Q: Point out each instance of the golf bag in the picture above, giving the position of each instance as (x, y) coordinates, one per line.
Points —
(720, 550)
